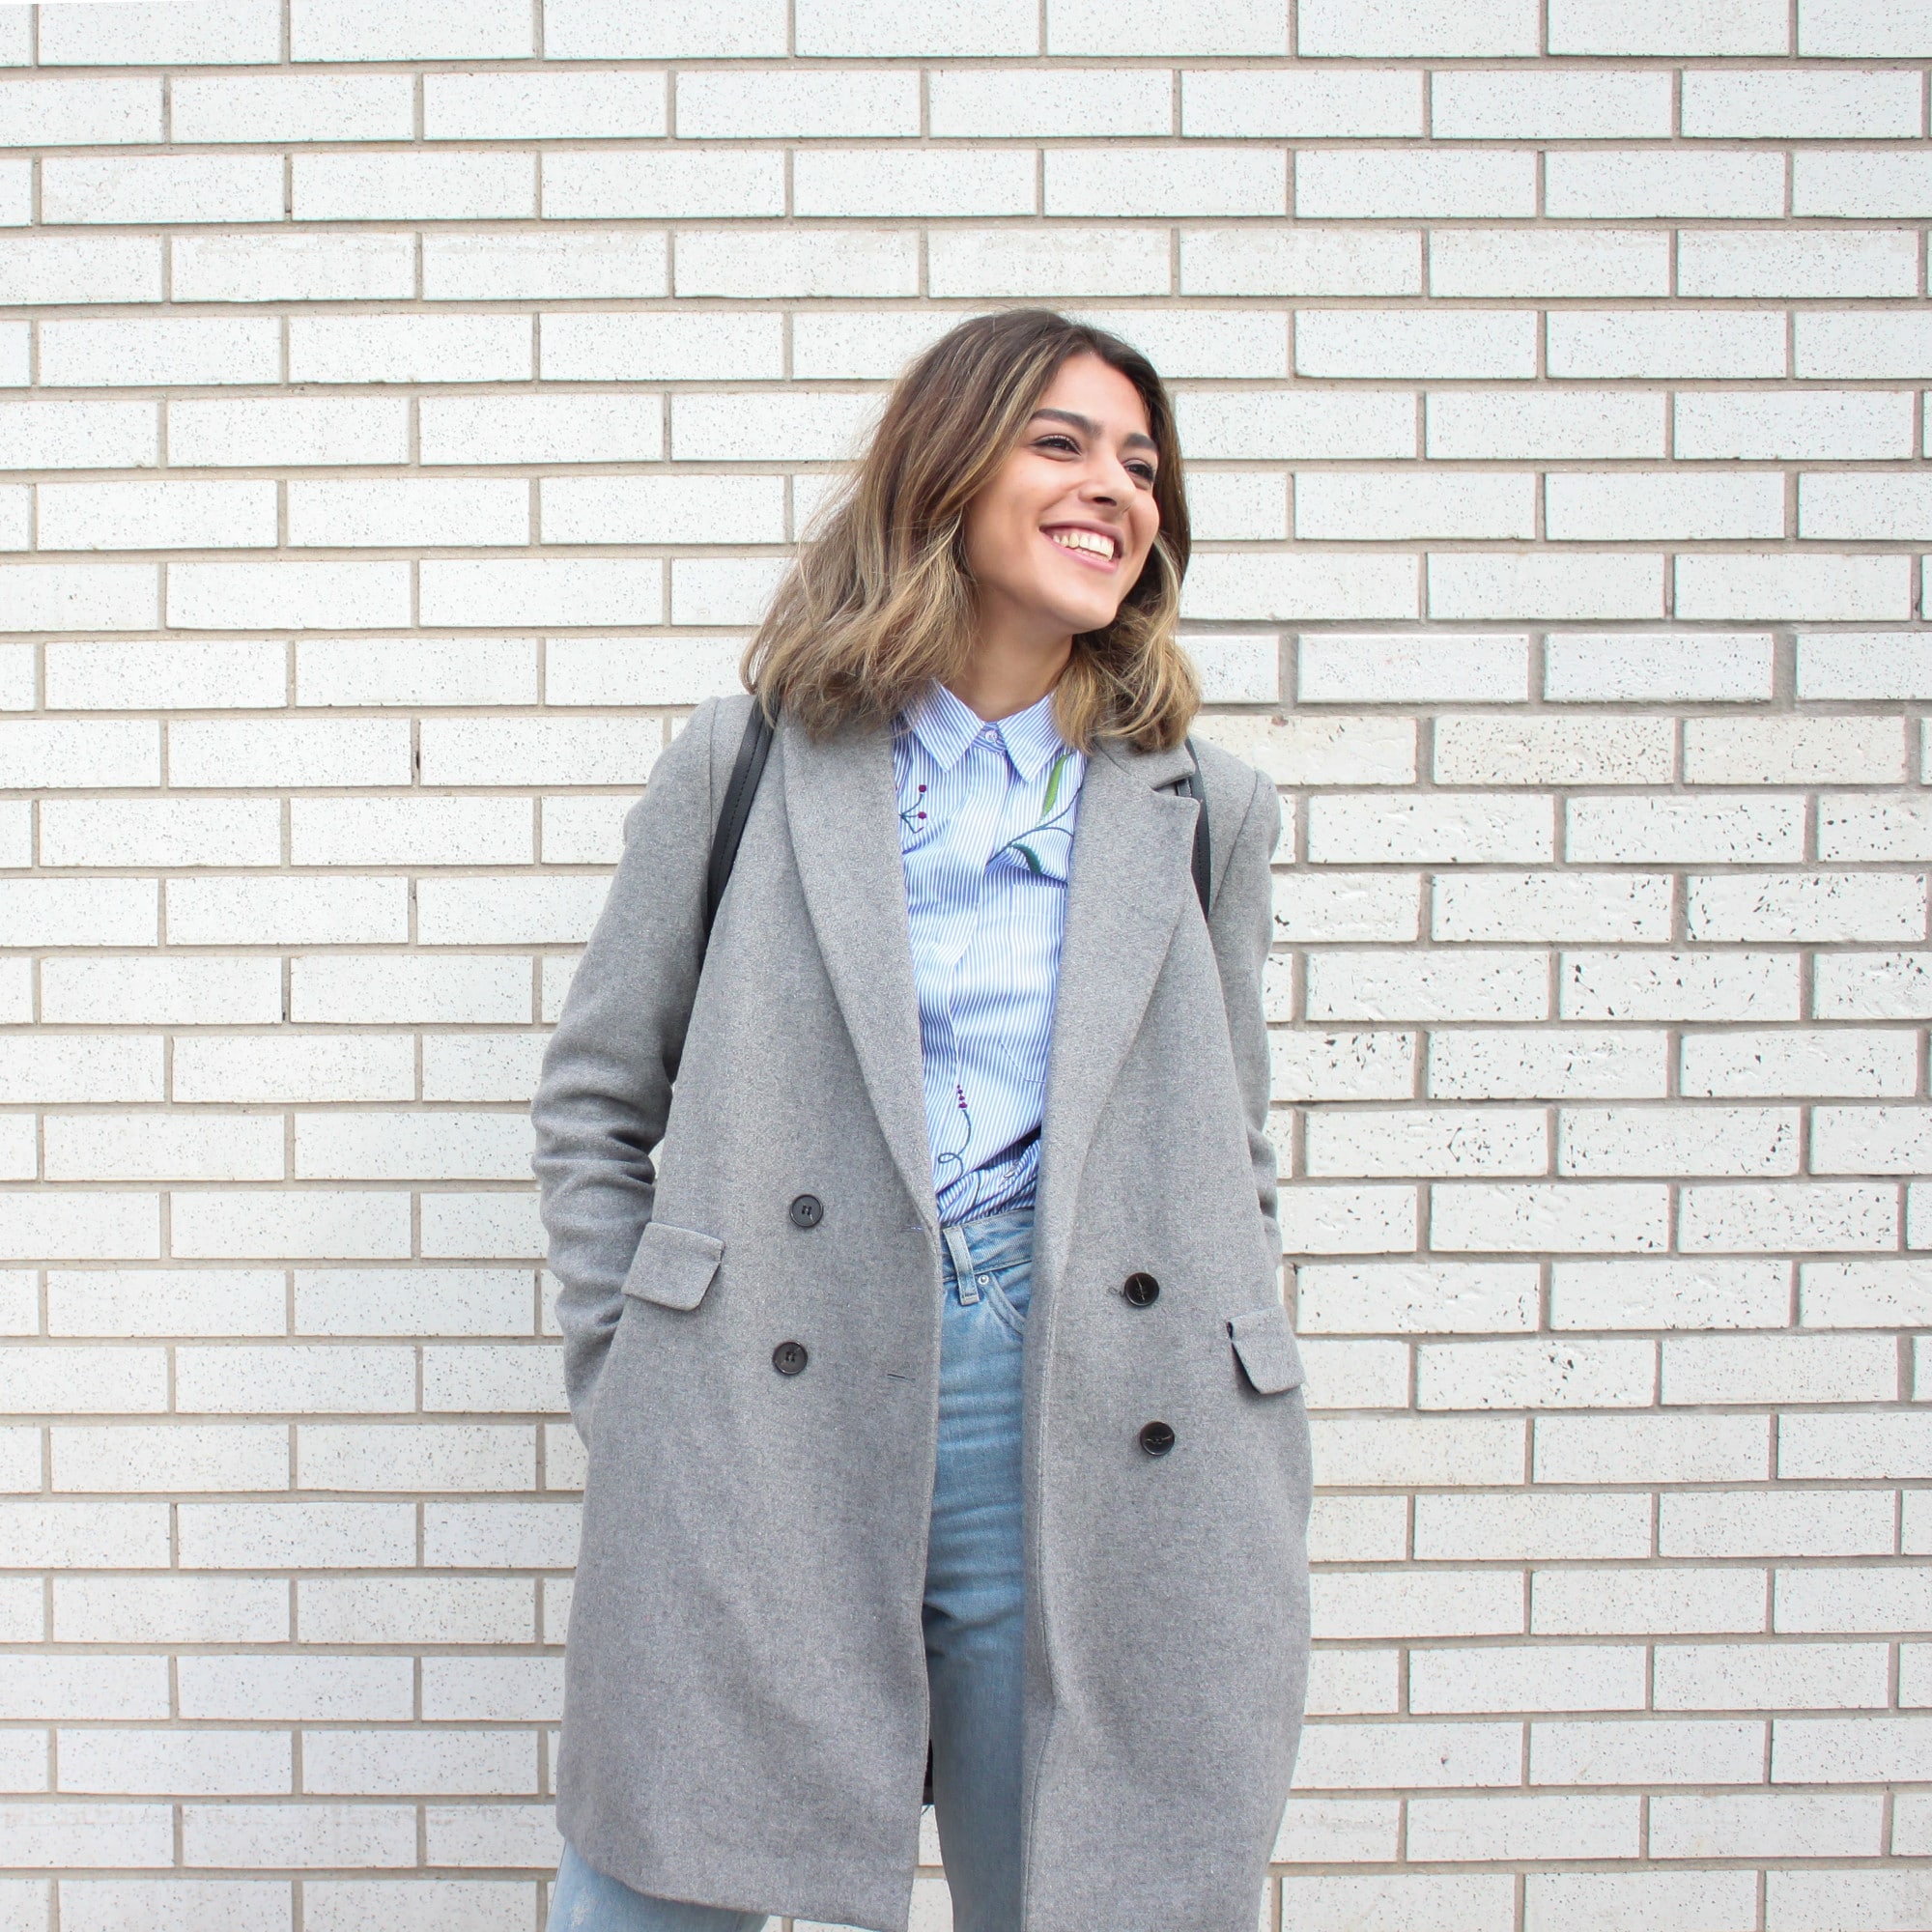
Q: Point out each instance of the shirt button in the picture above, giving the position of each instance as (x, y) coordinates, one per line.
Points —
(789, 1358)
(1156, 1438)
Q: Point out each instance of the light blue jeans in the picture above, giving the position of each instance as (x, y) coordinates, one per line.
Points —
(974, 1611)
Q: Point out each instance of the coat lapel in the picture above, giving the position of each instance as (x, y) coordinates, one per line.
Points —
(843, 815)
(1127, 883)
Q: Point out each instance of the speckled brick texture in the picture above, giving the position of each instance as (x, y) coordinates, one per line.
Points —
(405, 408)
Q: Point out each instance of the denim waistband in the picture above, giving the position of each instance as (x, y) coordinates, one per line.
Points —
(993, 1240)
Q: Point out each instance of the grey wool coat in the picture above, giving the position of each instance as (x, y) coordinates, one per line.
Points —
(745, 1705)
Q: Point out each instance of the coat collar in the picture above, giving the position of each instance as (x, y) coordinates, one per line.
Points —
(1127, 883)
(843, 815)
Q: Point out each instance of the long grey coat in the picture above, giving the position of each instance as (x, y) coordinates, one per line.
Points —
(745, 1709)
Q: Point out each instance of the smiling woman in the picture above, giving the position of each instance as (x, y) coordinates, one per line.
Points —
(917, 1234)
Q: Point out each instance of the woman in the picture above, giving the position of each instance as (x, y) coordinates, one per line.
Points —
(961, 1061)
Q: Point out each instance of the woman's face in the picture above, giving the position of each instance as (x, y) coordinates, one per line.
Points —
(1058, 536)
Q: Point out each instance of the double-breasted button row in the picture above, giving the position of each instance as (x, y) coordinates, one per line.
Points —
(1139, 1290)
(807, 1212)
(1156, 1438)
(789, 1359)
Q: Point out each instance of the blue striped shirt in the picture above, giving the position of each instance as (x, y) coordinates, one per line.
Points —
(986, 827)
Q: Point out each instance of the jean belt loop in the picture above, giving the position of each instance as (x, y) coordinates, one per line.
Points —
(962, 1264)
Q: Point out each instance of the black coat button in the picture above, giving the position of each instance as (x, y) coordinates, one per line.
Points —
(807, 1212)
(789, 1358)
(1142, 1291)
(1156, 1438)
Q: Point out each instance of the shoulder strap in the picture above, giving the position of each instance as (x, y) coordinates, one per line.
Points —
(729, 830)
(1189, 786)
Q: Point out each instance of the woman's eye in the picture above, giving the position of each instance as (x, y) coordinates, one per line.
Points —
(1144, 471)
(1057, 443)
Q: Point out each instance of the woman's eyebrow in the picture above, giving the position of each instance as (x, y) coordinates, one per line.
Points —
(1089, 427)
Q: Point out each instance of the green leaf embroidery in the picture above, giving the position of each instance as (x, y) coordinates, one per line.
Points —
(1027, 853)
(1053, 783)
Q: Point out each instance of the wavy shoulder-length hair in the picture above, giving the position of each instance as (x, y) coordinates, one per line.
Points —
(879, 599)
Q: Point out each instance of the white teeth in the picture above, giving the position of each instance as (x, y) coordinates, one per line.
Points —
(1087, 540)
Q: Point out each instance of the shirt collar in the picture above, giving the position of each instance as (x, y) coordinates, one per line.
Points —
(946, 724)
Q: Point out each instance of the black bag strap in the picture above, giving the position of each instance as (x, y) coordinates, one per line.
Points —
(728, 833)
(1189, 786)
(749, 767)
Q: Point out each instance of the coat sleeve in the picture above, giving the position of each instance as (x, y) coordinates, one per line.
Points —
(604, 1092)
(1241, 922)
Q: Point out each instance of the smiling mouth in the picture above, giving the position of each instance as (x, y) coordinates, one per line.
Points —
(1098, 551)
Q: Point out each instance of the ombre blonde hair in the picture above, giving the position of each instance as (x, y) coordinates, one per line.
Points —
(879, 599)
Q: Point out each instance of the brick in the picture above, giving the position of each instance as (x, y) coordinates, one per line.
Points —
(1845, 184)
(1158, 181)
(382, 988)
(1469, 343)
(1851, 346)
(1813, 1522)
(1784, 587)
(1779, 1825)
(301, 432)
(500, 911)
(161, 188)
(410, 349)
(1522, 1828)
(1633, 506)
(1651, 1448)
(293, 267)
(171, 1301)
(1370, 183)
(1502, 1527)
(1656, 343)
(1678, 1140)
(1867, 665)
(1677, 987)
(416, 670)
(1873, 985)
(496, 1835)
(1885, 1901)
(1141, 27)
(78, 435)
(1574, 585)
(1857, 1448)
(1414, 1297)
(1502, 104)
(62, 753)
(193, 1456)
(882, 182)
(1807, 104)
(1645, 1600)
(80, 113)
(1558, 906)
(221, 32)
(443, 1457)
(1344, 504)
(1535, 1374)
(658, 183)
(1820, 1215)
(1648, 1752)
(1355, 906)
(1820, 424)
(1061, 262)
(540, 592)
(148, 1146)
(1817, 905)
(467, 511)
(1810, 264)
(1669, 1295)
(1566, 1216)
(852, 262)
(79, 912)
(1401, 668)
(1426, 1143)
(1779, 1368)
(1703, 27)
(81, 597)
(1504, 1677)
(1288, 427)
(1863, 1294)
(388, 1145)
(415, 1610)
(1348, 1220)
(1793, 750)
(1401, 29)
(1553, 1064)
(335, 1224)
(1854, 27)
(1313, 260)
(193, 1763)
(1554, 751)
(1593, 185)
(52, 1380)
(210, 108)
(1292, 587)
(77, 1068)
(106, 1835)
(1342, 1067)
(414, 187)
(74, 1225)
(299, 1835)
(1283, 103)
(329, 30)
(1816, 1750)
(288, 596)
(1548, 262)
(153, 1609)
(140, 351)
(157, 516)
(608, 30)
(1458, 829)
(1560, 423)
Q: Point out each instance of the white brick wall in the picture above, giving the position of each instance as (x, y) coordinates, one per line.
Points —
(405, 407)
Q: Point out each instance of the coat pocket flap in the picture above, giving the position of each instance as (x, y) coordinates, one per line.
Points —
(1265, 1345)
(672, 1266)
